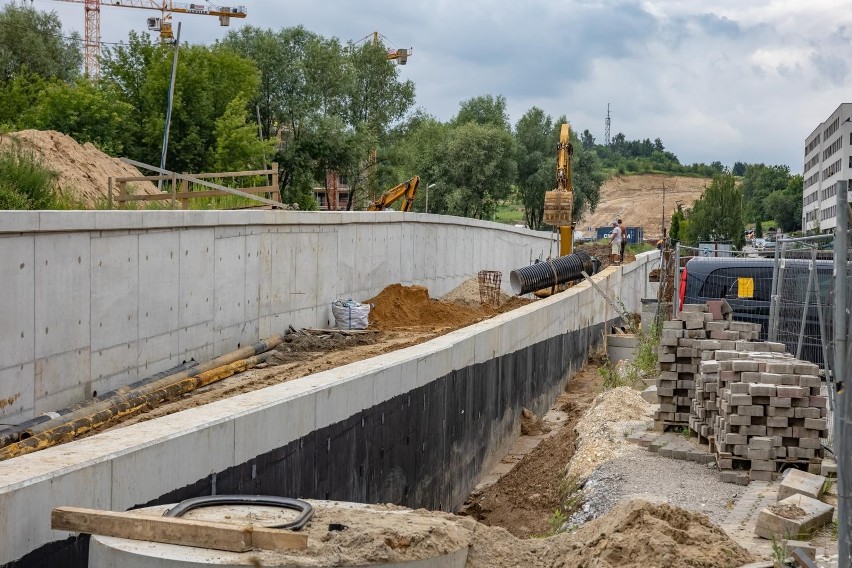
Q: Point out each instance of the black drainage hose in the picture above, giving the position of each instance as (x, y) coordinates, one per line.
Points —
(305, 508)
(548, 274)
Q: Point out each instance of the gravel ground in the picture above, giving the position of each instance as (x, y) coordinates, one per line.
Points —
(638, 473)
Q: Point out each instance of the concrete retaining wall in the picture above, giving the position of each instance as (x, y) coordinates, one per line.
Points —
(416, 426)
(96, 300)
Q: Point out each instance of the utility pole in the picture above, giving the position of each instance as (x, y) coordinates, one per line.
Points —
(607, 123)
(169, 107)
(664, 212)
(842, 396)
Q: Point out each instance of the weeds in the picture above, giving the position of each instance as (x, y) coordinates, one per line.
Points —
(556, 520)
(25, 183)
(827, 486)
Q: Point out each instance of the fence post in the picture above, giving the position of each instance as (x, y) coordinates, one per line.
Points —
(676, 292)
(277, 193)
(773, 295)
(184, 188)
(122, 189)
(807, 303)
(843, 412)
(109, 193)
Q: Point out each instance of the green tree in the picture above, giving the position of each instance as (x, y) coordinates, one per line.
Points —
(33, 41)
(676, 232)
(536, 159)
(785, 206)
(19, 94)
(718, 214)
(739, 169)
(207, 80)
(484, 110)
(587, 174)
(758, 182)
(237, 144)
(84, 110)
(758, 230)
(476, 168)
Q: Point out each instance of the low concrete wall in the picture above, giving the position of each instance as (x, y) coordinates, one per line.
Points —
(416, 426)
(96, 300)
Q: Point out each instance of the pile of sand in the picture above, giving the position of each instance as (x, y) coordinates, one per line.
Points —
(467, 294)
(400, 306)
(634, 534)
(600, 432)
(82, 170)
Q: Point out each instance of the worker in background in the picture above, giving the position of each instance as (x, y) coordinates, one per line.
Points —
(615, 238)
(623, 238)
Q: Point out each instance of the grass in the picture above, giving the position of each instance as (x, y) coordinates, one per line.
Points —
(26, 183)
(510, 211)
(643, 366)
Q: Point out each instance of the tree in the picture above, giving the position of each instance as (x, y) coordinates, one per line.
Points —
(758, 230)
(739, 169)
(536, 159)
(718, 214)
(676, 230)
(476, 168)
(587, 140)
(33, 41)
(237, 144)
(484, 110)
(758, 182)
(83, 110)
(785, 206)
(207, 80)
(587, 174)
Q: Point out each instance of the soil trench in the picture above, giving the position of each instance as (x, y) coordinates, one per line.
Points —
(523, 500)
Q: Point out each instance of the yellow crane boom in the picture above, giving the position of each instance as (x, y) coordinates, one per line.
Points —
(405, 190)
(92, 10)
(559, 203)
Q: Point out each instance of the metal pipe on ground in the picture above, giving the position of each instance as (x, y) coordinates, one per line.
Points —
(13, 433)
(551, 273)
(83, 420)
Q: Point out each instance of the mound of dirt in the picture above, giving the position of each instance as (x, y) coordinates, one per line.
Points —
(638, 200)
(467, 294)
(600, 432)
(633, 534)
(83, 170)
(399, 306)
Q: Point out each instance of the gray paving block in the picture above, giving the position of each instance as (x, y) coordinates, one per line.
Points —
(797, 482)
(817, 514)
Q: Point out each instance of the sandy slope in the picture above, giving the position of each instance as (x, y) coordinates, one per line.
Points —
(638, 201)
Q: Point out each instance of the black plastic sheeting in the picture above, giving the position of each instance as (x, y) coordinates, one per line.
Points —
(552, 272)
(423, 449)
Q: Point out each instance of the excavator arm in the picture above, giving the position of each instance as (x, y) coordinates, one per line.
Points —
(406, 190)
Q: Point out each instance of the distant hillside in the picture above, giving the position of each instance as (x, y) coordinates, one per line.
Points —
(638, 201)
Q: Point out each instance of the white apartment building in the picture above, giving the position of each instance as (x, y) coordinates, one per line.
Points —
(828, 159)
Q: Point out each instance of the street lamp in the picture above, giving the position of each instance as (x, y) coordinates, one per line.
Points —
(428, 187)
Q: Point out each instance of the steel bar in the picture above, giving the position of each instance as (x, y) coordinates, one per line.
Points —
(807, 303)
(843, 412)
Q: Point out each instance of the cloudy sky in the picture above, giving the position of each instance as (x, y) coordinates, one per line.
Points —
(726, 80)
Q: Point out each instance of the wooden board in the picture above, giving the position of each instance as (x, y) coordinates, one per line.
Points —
(558, 208)
(170, 530)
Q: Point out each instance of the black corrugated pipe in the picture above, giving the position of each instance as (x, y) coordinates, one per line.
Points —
(13, 433)
(551, 273)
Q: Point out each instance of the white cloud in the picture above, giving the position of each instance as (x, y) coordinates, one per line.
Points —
(728, 80)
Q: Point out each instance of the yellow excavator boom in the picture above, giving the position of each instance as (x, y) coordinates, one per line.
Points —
(406, 190)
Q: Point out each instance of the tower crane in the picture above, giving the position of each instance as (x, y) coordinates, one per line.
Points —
(398, 55)
(163, 24)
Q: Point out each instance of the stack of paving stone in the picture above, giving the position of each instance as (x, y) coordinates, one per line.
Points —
(693, 337)
(771, 409)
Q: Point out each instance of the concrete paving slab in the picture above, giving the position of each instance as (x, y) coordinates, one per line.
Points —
(798, 482)
(816, 514)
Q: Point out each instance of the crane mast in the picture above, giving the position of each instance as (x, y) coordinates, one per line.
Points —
(92, 30)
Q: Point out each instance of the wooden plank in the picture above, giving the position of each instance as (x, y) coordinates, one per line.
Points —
(170, 530)
(190, 194)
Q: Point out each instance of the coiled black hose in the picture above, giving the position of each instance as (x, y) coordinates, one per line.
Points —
(552, 272)
(305, 508)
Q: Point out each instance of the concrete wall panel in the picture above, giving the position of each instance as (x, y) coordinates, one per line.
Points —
(17, 393)
(196, 277)
(17, 343)
(62, 294)
(159, 283)
(115, 308)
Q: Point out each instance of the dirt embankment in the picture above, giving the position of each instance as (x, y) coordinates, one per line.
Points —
(638, 201)
(82, 170)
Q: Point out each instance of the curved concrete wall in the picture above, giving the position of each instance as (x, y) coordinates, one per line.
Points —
(96, 300)
(316, 435)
